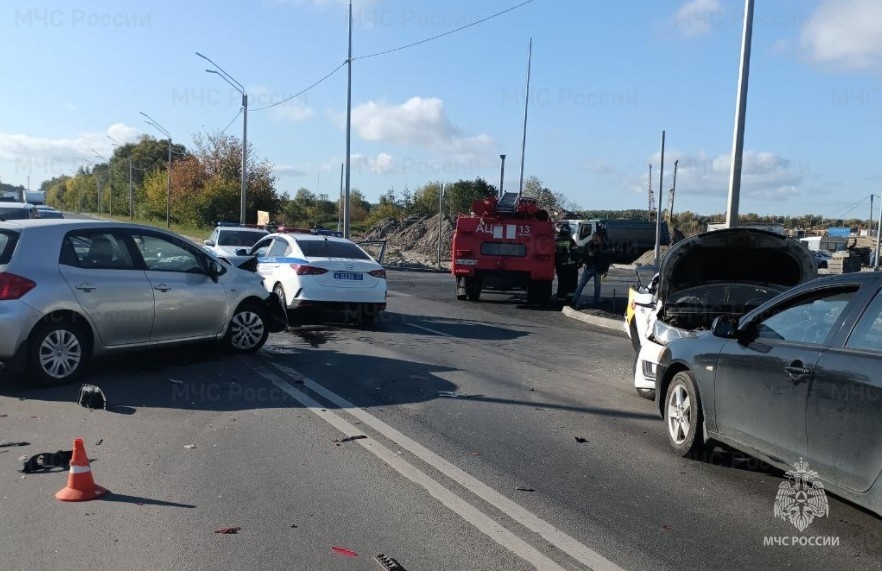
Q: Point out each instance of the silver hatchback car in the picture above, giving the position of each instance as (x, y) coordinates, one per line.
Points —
(72, 289)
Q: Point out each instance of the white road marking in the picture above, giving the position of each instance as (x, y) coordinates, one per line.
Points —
(478, 519)
(430, 330)
(534, 523)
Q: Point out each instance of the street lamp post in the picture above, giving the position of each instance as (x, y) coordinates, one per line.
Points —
(238, 87)
(151, 121)
(501, 174)
(98, 180)
(131, 210)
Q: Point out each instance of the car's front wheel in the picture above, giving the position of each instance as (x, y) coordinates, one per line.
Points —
(248, 329)
(57, 352)
(683, 416)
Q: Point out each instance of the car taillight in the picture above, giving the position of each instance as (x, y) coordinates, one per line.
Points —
(378, 274)
(304, 270)
(463, 253)
(13, 286)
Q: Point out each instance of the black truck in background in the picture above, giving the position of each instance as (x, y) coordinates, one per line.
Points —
(629, 239)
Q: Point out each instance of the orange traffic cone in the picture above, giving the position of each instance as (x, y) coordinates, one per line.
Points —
(80, 485)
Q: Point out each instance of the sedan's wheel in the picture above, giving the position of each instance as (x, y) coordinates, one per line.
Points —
(57, 353)
(280, 292)
(683, 416)
(248, 331)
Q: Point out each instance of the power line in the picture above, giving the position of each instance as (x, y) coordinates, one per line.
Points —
(231, 122)
(298, 94)
(475, 23)
(855, 205)
(398, 49)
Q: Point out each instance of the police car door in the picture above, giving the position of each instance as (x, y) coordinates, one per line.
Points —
(264, 269)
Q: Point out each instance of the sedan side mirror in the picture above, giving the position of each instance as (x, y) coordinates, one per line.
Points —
(242, 252)
(209, 243)
(214, 270)
(725, 327)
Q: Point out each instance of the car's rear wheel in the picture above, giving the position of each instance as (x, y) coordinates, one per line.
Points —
(57, 352)
(683, 416)
(248, 329)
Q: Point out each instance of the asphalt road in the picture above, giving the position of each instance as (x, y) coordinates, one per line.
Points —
(471, 413)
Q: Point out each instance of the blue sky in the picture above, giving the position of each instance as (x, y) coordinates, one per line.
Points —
(607, 78)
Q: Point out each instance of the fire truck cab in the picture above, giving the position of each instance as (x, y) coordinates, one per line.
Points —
(504, 245)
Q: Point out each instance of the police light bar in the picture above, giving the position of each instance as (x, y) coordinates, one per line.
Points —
(282, 229)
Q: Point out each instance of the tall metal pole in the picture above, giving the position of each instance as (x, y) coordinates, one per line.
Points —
(340, 203)
(153, 122)
(168, 189)
(878, 237)
(740, 112)
(440, 222)
(131, 193)
(870, 229)
(673, 190)
(501, 174)
(346, 213)
(526, 107)
(244, 191)
(658, 214)
(98, 184)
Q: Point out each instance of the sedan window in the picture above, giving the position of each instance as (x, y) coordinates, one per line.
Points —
(809, 320)
(7, 245)
(163, 255)
(331, 249)
(279, 249)
(260, 249)
(867, 333)
(96, 250)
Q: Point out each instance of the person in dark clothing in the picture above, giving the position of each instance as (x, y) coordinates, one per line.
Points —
(596, 262)
(565, 262)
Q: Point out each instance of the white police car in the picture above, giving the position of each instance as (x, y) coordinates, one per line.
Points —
(321, 270)
(229, 237)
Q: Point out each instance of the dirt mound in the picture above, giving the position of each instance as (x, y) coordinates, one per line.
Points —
(414, 239)
(648, 257)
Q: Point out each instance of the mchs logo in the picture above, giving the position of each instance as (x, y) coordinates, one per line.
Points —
(801, 497)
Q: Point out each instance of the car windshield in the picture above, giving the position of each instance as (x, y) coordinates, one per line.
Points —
(331, 249)
(239, 238)
(7, 245)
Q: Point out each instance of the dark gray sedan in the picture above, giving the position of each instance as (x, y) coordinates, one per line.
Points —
(798, 378)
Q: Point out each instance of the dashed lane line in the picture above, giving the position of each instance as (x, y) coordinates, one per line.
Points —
(534, 523)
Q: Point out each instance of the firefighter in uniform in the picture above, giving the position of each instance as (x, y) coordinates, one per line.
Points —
(565, 262)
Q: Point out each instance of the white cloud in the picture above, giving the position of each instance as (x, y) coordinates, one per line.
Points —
(383, 163)
(49, 157)
(765, 176)
(287, 171)
(419, 122)
(697, 17)
(845, 34)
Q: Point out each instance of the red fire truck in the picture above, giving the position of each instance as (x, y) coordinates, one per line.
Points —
(505, 244)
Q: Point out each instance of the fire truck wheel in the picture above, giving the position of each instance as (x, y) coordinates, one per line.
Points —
(473, 289)
(539, 292)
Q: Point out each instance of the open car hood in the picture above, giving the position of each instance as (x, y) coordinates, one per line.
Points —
(735, 255)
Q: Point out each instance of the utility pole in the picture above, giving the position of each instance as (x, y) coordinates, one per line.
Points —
(346, 212)
(440, 222)
(243, 192)
(671, 197)
(658, 216)
(151, 121)
(501, 174)
(740, 112)
(340, 203)
(526, 108)
(870, 228)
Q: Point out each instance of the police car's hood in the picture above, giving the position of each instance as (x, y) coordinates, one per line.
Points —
(735, 255)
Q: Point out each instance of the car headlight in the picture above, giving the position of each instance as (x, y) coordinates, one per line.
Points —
(664, 333)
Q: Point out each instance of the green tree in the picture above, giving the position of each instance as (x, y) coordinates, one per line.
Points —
(461, 194)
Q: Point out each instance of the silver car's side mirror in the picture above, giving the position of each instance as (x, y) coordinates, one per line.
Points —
(209, 243)
(214, 270)
(725, 327)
